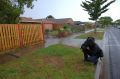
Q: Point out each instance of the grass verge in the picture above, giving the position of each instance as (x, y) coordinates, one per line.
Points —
(54, 62)
(98, 35)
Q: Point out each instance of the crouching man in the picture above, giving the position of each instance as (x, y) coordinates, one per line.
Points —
(91, 50)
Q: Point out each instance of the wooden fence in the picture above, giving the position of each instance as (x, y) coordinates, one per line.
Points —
(18, 35)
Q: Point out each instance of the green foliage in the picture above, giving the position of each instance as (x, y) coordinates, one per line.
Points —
(54, 33)
(96, 7)
(117, 21)
(65, 31)
(66, 26)
(105, 21)
(47, 30)
(50, 17)
(61, 30)
(10, 10)
(88, 25)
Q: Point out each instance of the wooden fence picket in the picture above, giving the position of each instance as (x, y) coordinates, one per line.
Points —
(18, 35)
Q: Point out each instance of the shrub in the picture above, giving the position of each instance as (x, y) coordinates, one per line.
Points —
(47, 31)
(54, 33)
(66, 26)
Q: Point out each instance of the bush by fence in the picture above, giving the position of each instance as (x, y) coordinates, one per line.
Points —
(18, 35)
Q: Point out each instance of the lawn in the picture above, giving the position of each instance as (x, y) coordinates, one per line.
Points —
(98, 35)
(54, 62)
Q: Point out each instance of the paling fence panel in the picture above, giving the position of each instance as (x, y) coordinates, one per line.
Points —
(9, 37)
(31, 34)
(18, 35)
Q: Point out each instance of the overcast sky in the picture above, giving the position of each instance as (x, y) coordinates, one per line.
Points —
(67, 9)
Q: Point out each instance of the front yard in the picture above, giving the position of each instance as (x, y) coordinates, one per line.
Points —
(98, 35)
(54, 62)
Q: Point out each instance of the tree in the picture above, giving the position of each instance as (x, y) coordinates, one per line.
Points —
(10, 10)
(117, 22)
(50, 17)
(95, 8)
(8, 13)
(105, 21)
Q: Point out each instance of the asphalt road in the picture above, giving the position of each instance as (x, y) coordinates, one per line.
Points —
(112, 54)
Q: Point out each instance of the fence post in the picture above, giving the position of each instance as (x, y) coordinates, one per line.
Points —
(43, 32)
(20, 36)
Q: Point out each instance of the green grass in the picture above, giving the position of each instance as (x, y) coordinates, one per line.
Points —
(54, 62)
(98, 35)
(102, 30)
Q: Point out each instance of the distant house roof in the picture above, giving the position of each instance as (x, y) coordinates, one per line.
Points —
(28, 20)
(43, 20)
(55, 21)
(62, 21)
(79, 23)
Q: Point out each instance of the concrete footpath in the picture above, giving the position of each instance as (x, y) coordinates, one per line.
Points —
(99, 67)
(70, 40)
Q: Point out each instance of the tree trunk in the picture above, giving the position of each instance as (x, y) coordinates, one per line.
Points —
(95, 28)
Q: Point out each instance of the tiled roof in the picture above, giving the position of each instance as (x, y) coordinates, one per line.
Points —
(25, 19)
(57, 21)
(43, 20)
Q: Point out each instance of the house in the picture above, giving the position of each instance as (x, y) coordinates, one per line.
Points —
(62, 21)
(79, 23)
(48, 23)
(56, 23)
(27, 20)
